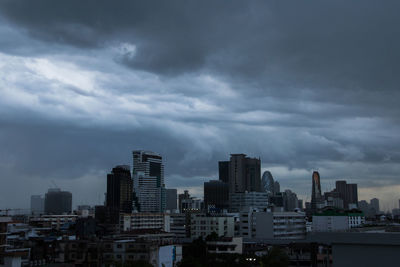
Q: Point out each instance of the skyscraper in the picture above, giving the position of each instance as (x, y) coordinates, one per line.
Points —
(216, 195)
(223, 169)
(57, 202)
(290, 200)
(267, 182)
(375, 205)
(120, 189)
(244, 173)
(347, 192)
(316, 197)
(171, 199)
(148, 175)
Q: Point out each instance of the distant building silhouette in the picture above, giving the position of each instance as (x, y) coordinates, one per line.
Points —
(57, 202)
(316, 196)
(216, 195)
(347, 192)
(223, 169)
(375, 205)
(37, 204)
(267, 183)
(120, 189)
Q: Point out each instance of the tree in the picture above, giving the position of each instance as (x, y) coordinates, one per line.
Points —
(276, 257)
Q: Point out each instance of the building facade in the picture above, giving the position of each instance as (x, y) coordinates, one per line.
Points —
(120, 189)
(216, 196)
(246, 200)
(57, 202)
(203, 225)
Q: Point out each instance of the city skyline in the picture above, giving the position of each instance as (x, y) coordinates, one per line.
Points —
(289, 83)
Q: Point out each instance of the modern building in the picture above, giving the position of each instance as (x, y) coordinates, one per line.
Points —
(171, 199)
(290, 200)
(37, 204)
(316, 196)
(272, 225)
(267, 183)
(244, 173)
(334, 220)
(216, 196)
(144, 221)
(148, 181)
(277, 188)
(57, 202)
(204, 225)
(375, 205)
(347, 192)
(247, 200)
(223, 169)
(333, 199)
(119, 189)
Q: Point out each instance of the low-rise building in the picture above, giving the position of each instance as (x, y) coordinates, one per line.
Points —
(204, 225)
(142, 221)
(333, 220)
(225, 245)
(272, 225)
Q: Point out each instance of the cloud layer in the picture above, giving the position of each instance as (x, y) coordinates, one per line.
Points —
(305, 85)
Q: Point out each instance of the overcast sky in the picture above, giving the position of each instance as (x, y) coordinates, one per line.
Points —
(304, 85)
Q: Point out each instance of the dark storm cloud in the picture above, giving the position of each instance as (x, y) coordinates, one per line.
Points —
(303, 84)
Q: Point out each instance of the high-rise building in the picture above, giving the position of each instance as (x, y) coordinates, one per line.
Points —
(148, 176)
(375, 205)
(290, 200)
(316, 197)
(216, 195)
(347, 192)
(277, 187)
(171, 199)
(223, 169)
(37, 204)
(120, 189)
(247, 200)
(267, 182)
(244, 173)
(188, 203)
(57, 202)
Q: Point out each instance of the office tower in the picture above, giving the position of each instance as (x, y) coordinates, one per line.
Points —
(248, 200)
(277, 187)
(316, 197)
(244, 173)
(216, 195)
(119, 189)
(333, 199)
(37, 204)
(290, 200)
(57, 202)
(171, 199)
(375, 205)
(267, 182)
(223, 169)
(347, 192)
(148, 175)
(399, 203)
(300, 204)
(188, 203)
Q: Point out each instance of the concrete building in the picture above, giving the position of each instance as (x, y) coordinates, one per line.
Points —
(226, 245)
(178, 225)
(171, 199)
(145, 221)
(53, 221)
(246, 200)
(204, 225)
(148, 181)
(57, 202)
(216, 196)
(188, 203)
(336, 221)
(347, 192)
(37, 204)
(272, 225)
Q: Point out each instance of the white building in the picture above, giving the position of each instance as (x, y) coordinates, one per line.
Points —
(334, 221)
(178, 224)
(271, 225)
(204, 225)
(141, 221)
